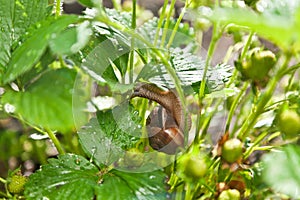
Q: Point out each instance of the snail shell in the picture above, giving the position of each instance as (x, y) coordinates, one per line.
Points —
(165, 124)
(164, 135)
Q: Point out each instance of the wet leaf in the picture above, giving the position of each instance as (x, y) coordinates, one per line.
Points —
(132, 186)
(15, 18)
(73, 177)
(189, 69)
(63, 178)
(106, 137)
(47, 102)
(73, 39)
(26, 55)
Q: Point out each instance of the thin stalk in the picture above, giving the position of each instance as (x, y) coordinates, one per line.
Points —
(240, 115)
(143, 109)
(290, 82)
(160, 21)
(166, 26)
(211, 49)
(244, 88)
(40, 154)
(247, 45)
(133, 26)
(179, 193)
(56, 142)
(117, 5)
(255, 143)
(47, 132)
(234, 106)
(264, 99)
(58, 8)
(177, 24)
(6, 195)
(189, 193)
(2, 180)
(233, 77)
(243, 54)
(207, 186)
(209, 117)
(292, 68)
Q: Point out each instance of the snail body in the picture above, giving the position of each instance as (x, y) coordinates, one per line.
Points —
(165, 124)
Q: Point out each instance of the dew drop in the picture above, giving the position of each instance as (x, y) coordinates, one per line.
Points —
(151, 177)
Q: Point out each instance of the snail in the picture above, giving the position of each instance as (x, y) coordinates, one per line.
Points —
(165, 124)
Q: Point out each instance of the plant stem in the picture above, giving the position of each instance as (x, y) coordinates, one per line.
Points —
(209, 117)
(2, 194)
(143, 109)
(255, 143)
(47, 132)
(58, 7)
(56, 142)
(247, 45)
(160, 22)
(117, 5)
(264, 99)
(234, 106)
(188, 194)
(244, 88)
(166, 26)
(243, 54)
(133, 26)
(211, 49)
(177, 24)
(2, 180)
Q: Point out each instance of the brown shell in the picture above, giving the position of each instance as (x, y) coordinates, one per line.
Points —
(167, 140)
(165, 123)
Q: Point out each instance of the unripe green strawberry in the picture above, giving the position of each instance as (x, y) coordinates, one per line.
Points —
(192, 167)
(232, 150)
(288, 122)
(16, 185)
(231, 194)
(133, 158)
(256, 65)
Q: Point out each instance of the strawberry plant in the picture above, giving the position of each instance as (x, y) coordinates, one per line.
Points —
(116, 103)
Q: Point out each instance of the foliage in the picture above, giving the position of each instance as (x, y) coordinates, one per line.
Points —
(66, 85)
(64, 176)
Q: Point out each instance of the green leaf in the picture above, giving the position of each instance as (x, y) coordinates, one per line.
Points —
(68, 177)
(106, 137)
(73, 177)
(114, 47)
(282, 172)
(26, 55)
(98, 62)
(123, 18)
(279, 23)
(189, 69)
(71, 40)
(15, 18)
(122, 185)
(48, 101)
